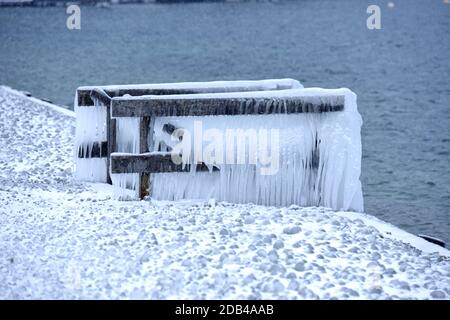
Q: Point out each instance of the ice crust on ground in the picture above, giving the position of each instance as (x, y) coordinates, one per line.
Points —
(63, 238)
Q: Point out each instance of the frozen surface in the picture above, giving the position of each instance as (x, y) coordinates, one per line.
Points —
(313, 94)
(61, 238)
(268, 84)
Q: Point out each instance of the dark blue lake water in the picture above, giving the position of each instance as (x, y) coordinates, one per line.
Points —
(401, 73)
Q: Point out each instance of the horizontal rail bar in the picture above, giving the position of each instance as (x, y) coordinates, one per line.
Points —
(85, 99)
(97, 150)
(84, 94)
(223, 106)
(149, 163)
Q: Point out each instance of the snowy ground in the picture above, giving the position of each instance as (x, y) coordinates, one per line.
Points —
(60, 238)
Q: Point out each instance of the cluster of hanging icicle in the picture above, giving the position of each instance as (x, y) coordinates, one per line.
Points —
(90, 131)
(319, 159)
(127, 141)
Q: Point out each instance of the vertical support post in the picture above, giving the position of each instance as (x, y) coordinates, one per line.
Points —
(146, 125)
(111, 138)
(100, 97)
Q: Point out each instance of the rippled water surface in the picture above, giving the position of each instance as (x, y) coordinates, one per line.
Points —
(401, 73)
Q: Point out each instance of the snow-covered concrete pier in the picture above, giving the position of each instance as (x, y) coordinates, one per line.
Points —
(62, 238)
